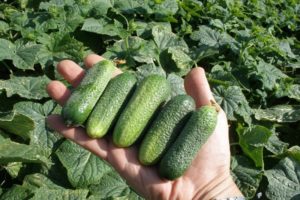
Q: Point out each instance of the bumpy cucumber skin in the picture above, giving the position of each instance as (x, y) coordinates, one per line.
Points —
(110, 103)
(149, 95)
(165, 128)
(185, 148)
(85, 96)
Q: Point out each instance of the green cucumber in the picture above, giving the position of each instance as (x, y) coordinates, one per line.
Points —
(107, 108)
(185, 148)
(149, 95)
(85, 96)
(165, 128)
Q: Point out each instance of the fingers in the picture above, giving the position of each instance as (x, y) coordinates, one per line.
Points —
(58, 91)
(72, 72)
(144, 179)
(79, 136)
(196, 85)
(92, 59)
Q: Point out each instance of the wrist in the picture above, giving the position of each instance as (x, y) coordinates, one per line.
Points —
(221, 187)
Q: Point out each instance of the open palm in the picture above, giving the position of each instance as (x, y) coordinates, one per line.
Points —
(209, 175)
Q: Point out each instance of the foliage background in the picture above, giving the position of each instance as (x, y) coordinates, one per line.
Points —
(249, 49)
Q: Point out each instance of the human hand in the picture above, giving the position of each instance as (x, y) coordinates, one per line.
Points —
(207, 178)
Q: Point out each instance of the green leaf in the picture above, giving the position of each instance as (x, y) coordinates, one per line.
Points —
(203, 52)
(35, 111)
(212, 38)
(222, 72)
(165, 39)
(285, 47)
(7, 49)
(16, 192)
(41, 135)
(16, 152)
(37, 180)
(246, 176)
(3, 136)
(233, 102)
(249, 49)
(275, 145)
(97, 7)
(144, 29)
(57, 173)
(65, 16)
(58, 46)
(26, 55)
(131, 7)
(104, 27)
(16, 123)
(173, 51)
(294, 65)
(13, 168)
(25, 86)
(111, 185)
(166, 7)
(252, 141)
(207, 36)
(148, 69)
(279, 113)
(294, 92)
(134, 196)
(284, 180)
(56, 3)
(288, 90)
(23, 55)
(133, 49)
(268, 75)
(83, 167)
(174, 59)
(294, 152)
(177, 84)
(4, 27)
(58, 194)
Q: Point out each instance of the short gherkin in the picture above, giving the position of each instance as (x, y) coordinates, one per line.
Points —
(183, 151)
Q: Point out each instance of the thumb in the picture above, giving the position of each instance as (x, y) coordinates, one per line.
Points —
(196, 85)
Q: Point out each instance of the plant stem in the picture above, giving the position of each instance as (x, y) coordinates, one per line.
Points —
(219, 82)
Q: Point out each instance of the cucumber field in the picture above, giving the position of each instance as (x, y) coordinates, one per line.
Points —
(250, 50)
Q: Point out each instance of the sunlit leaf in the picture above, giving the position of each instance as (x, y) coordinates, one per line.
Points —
(284, 180)
(83, 167)
(17, 124)
(25, 86)
(279, 113)
(246, 175)
(253, 140)
(41, 135)
(233, 102)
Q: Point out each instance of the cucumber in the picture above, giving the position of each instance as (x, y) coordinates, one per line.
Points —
(165, 128)
(85, 96)
(109, 104)
(185, 148)
(149, 95)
